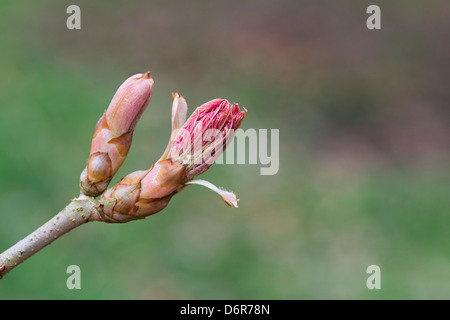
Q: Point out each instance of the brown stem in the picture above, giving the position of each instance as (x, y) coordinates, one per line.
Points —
(78, 212)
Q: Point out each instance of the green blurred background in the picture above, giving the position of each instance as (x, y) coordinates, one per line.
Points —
(364, 147)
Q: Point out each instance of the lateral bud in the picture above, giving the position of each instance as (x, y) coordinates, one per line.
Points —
(114, 133)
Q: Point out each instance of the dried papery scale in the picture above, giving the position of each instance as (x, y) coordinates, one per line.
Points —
(144, 193)
(114, 132)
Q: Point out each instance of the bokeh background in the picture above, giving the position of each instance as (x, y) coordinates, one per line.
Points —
(364, 147)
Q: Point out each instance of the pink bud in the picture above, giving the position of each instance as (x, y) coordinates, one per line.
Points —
(128, 103)
(114, 132)
(205, 135)
(191, 151)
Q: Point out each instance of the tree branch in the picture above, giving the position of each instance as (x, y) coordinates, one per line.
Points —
(79, 211)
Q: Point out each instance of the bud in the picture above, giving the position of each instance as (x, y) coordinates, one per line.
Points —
(144, 193)
(204, 136)
(114, 132)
